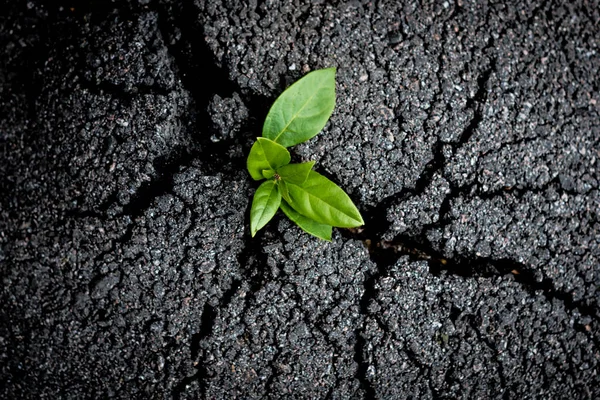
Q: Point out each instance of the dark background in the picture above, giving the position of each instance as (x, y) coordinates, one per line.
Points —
(467, 133)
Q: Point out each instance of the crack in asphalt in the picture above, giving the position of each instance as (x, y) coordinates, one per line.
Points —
(493, 349)
(363, 365)
(273, 366)
(166, 168)
(189, 57)
(379, 249)
(207, 321)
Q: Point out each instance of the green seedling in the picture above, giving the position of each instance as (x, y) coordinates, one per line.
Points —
(306, 197)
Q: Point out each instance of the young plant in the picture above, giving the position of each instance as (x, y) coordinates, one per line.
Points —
(312, 201)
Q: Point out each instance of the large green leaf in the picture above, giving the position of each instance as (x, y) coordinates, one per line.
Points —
(295, 173)
(266, 155)
(264, 205)
(302, 110)
(323, 201)
(322, 231)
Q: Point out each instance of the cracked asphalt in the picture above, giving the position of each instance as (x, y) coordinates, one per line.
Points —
(467, 133)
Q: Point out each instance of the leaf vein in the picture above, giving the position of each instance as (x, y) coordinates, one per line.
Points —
(294, 117)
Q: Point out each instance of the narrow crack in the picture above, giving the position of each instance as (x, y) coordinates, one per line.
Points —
(250, 259)
(415, 360)
(362, 371)
(465, 266)
(166, 168)
(493, 349)
(477, 103)
(274, 374)
(473, 266)
(207, 321)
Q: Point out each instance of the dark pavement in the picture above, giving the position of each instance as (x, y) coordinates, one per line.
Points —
(467, 133)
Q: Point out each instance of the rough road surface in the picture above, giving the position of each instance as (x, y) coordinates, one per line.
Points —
(468, 133)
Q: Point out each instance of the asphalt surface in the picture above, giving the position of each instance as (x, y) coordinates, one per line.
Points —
(467, 134)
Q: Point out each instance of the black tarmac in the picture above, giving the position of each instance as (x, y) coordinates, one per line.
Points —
(467, 133)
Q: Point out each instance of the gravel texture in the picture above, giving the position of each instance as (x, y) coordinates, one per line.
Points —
(467, 133)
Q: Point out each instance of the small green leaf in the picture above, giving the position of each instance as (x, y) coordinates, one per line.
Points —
(295, 173)
(264, 205)
(323, 201)
(268, 173)
(266, 155)
(283, 190)
(302, 110)
(322, 231)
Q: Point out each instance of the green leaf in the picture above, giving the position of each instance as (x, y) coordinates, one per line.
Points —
(266, 155)
(302, 110)
(283, 190)
(322, 231)
(264, 205)
(295, 173)
(323, 201)
(268, 173)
